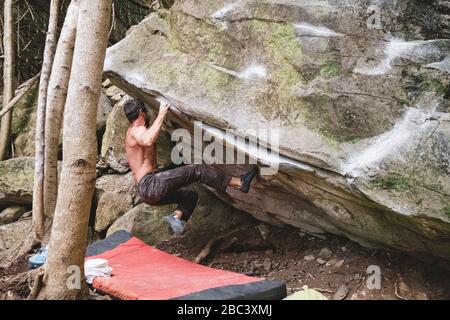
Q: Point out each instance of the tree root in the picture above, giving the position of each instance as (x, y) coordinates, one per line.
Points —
(37, 286)
(18, 286)
(397, 294)
(215, 245)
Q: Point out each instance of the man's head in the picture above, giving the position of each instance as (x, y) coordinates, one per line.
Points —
(134, 109)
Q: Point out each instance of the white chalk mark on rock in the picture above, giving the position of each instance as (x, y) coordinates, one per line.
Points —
(253, 72)
(443, 65)
(221, 14)
(305, 29)
(417, 51)
(388, 143)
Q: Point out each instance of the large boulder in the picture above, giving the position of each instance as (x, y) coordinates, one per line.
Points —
(104, 109)
(144, 222)
(12, 214)
(211, 216)
(16, 181)
(115, 194)
(362, 110)
(12, 235)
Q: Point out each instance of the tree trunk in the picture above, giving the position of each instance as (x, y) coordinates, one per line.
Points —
(8, 76)
(38, 189)
(56, 100)
(68, 238)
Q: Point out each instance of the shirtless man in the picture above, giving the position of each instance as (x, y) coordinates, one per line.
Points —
(158, 187)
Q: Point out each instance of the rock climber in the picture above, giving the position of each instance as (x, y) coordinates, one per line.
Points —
(160, 187)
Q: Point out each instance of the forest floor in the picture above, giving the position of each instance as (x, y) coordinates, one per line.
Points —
(323, 264)
(299, 259)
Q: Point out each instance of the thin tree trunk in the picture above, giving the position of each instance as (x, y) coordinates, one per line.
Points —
(8, 76)
(38, 189)
(57, 94)
(68, 238)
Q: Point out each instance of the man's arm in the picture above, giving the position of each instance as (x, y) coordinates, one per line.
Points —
(148, 137)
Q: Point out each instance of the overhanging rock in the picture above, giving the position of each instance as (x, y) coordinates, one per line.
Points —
(362, 115)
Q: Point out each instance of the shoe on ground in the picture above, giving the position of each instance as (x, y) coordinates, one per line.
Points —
(38, 259)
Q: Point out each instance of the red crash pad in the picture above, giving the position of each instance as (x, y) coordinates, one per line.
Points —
(141, 272)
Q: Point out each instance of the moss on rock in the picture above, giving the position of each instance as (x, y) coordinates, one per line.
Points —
(393, 182)
(446, 211)
(330, 69)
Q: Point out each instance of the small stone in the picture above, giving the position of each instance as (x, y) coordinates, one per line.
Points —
(264, 231)
(107, 83)
(343, 249)
(331, 262)
(421, 296)
(325, 253)
(403, 289)
(339, 264)
(116, 98)
(267, 264)
(309, 258)
(320, 261)
(112, 91)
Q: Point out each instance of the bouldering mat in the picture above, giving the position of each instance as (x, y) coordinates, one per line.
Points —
(141, 272)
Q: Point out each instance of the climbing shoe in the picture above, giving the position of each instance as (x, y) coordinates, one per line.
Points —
(177, 226)
(246, 180)
(38, 259)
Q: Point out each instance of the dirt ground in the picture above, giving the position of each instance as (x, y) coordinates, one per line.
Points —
(323, 264)
(300, 259)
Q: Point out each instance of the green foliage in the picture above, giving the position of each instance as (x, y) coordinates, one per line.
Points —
(31, 23)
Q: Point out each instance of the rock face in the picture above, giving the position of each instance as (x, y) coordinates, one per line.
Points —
(11, 235)
(11, 214)
(16, 181)
(103, 111)
(114, 195)
(362, 110)
(211, 215)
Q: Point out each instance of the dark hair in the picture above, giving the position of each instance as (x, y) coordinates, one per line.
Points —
(132, 109)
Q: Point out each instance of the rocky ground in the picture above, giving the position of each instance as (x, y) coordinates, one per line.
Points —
(324, 264)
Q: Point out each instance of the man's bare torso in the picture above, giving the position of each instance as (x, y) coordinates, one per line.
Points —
(142, 160)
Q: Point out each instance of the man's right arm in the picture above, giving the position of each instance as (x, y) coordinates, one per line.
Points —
(148, 137)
